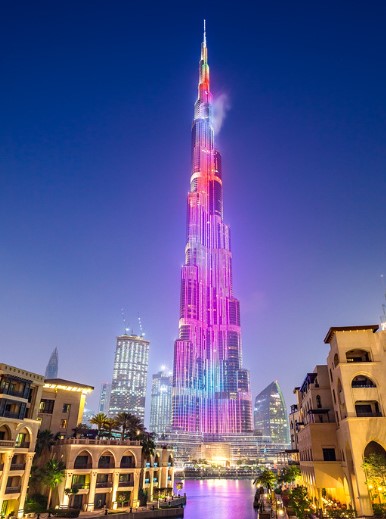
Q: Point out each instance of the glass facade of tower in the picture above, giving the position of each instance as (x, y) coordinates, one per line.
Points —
(161, 402)
(104, 398)
(211, 392)
(128, 388)
(271, 418)
(53, 365)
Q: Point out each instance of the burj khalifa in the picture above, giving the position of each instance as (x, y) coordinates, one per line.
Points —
(211, 389)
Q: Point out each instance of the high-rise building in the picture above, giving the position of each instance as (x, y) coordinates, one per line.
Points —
(53, 365)
(128, 388)
(270, 415)
(104, 398)
(271, 423)
(211, 390)
(161, 401)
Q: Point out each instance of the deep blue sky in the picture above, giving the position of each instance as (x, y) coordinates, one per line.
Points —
(96, 103)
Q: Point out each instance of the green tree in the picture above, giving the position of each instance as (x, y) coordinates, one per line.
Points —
(44, 442)
(266, 478)
(374, 466)
(130, 426)
(289, 474)
(53, 474)
(299, 502)
(99, 420)
(147, 440)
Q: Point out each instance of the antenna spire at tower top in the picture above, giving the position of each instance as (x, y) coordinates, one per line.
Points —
(204, 40)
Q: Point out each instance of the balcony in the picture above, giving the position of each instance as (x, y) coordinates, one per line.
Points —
(12, 490)
(10, 414)
(127, 465)
(82, 466)
(22, 445)
(369, 414)
(128, 483)
(106, 465)
(104, 484)
(17, 466)
(13, 392)
(7, 443)
(87, 441)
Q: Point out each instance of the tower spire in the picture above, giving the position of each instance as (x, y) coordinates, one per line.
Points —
(204, 39)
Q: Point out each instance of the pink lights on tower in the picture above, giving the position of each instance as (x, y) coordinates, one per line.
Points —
(210, 388)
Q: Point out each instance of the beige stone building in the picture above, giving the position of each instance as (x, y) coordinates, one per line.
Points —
(110, 473)
(340, 417)
(99, 472)
(20, 393)
(62, 405)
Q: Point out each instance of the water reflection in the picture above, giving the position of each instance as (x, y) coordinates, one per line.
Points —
(219, 499)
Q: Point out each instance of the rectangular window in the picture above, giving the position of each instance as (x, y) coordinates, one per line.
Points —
(329, 454)
(63, 424)
(66, 408)
(46, 406)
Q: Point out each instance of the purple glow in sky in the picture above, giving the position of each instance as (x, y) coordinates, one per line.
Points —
(96, 109)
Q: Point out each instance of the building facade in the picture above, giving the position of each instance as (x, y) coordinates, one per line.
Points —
(339, 419)
(20, 393)
(128, 388)
(109, 473)
(104, 398)
(211, 389)
(161, 402)
(61, 406)
(53, 365)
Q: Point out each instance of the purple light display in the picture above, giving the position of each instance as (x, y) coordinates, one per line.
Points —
(211, 390)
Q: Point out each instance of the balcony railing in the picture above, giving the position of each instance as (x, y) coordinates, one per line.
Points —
(87, 441)
(7, 443)
(368, 415)
(106, 465)
(128, 483)
(104, 484)
(9, 414)
(12, 490)
(82, 465)
(12, 392)
(17, 466)
(127, 465)
(22, 445)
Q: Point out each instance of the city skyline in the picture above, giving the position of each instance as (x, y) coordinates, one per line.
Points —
(93, 187)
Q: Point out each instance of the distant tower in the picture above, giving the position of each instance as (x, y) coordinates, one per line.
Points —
(104, 398)
(270, 417)
(128, 388)
(161, 401)
(53, 365)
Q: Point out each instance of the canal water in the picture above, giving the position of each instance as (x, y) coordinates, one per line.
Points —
(219, 499)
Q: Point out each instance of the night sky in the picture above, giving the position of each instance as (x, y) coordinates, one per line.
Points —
(96, 107)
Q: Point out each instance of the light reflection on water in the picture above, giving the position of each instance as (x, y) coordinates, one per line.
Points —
(219, 499)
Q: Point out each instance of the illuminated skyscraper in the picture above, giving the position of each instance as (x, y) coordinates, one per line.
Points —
(161, 402)
(128, 388)
(271, 417)
(104, 398)
(53, 365)
(211, 393)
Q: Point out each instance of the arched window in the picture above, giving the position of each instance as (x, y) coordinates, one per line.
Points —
(336, 360)
(362, 381)
(358, 356)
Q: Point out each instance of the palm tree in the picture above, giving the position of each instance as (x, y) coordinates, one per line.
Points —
(130, 425)
(53, 474)
(45, 440)
(110, 424)
(148, 444)
(100, 421)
